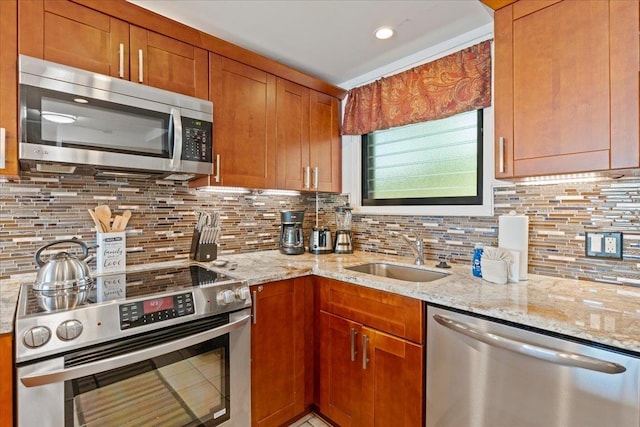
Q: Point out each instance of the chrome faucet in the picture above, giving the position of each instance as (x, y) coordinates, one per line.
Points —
(417, 248)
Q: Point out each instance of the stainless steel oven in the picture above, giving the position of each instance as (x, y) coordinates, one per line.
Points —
(177, 354)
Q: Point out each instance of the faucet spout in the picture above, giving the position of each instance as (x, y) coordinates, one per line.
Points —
(417, 248)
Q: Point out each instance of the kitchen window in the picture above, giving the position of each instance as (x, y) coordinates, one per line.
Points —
(352, 160)
(437, 162)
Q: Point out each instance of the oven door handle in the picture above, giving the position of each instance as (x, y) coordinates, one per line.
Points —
(133, 357)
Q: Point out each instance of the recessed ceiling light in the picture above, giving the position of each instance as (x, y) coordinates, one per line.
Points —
(80, 100)
(384, 33)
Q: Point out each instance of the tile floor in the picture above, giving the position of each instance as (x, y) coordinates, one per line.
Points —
(310, 420)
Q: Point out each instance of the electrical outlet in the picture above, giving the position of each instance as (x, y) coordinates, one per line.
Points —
(603, 245)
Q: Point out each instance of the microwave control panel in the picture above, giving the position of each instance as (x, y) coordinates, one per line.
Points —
(196, 140)
(155, 310)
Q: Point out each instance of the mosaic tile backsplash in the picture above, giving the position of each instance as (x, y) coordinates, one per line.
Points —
(40, 209)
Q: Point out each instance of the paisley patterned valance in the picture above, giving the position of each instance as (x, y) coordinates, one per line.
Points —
(450, 85)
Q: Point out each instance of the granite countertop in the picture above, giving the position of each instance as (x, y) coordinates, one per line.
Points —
(602, 313)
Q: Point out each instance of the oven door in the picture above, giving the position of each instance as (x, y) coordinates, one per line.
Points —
(188, 375)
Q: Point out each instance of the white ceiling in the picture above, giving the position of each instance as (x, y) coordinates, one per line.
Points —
(329, 39)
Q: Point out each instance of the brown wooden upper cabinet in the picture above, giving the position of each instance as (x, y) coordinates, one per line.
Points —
(566, 87)
(68, 33)
(9, 90)
(308, 139)
(272, 133)
(244, 110)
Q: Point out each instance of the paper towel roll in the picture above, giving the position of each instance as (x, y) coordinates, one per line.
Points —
(513, 234)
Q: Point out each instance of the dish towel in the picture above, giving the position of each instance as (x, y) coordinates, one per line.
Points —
(496, 264)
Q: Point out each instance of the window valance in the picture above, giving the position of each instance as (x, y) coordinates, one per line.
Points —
(450, 85)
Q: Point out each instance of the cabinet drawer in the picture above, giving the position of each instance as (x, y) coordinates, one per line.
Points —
(394, 314)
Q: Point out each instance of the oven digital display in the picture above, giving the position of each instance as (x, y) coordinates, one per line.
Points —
(158, 304)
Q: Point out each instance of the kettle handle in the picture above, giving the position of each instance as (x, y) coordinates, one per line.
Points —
(85, 249)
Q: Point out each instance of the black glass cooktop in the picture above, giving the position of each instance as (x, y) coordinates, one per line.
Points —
(123, 286)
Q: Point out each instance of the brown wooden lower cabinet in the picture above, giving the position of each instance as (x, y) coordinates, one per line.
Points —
(6, 379)
(281, 351)
(340, 371)
(366, 376)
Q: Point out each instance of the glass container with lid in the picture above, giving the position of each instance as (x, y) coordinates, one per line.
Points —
(343, 217)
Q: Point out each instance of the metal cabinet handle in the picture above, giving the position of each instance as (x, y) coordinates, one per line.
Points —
(128, 358)
(3, 147)
(217, 176)
(121, 61)
(255, 307)
(140, 65)
(531, 350)
(365, 343)
(354, 352)
(307, 173)
(315, 177)
(501, 154)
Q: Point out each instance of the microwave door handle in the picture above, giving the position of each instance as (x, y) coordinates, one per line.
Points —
(133, 357)
(175, 133)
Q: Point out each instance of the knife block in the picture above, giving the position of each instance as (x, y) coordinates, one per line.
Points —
(202, 252)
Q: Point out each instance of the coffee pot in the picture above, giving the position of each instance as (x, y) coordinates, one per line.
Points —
(291, 236)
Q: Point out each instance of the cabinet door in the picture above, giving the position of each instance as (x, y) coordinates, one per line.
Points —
(9, 87)
(340, 370)
(292, 136)
(169, 64)
(244, 123)
(6, 377)
(393, 378)
(325, 149)
(560, 106)
(279, 343)
(67, 33)
(395, 314)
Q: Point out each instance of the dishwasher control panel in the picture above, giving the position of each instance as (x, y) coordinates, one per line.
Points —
(153, 310)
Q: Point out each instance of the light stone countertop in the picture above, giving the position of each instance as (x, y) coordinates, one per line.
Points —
(601, 313)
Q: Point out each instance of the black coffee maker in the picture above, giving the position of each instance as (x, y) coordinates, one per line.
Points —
(291, 237)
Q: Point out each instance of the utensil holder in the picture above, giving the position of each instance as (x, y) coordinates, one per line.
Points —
(111, 252)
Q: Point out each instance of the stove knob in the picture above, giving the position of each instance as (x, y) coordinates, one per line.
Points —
(69, 330)
(243, 293)
(226, 297)
(36, 336)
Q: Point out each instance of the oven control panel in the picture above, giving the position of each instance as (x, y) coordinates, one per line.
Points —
(154, 310)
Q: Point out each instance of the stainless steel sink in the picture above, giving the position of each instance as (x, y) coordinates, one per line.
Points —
(398, 272)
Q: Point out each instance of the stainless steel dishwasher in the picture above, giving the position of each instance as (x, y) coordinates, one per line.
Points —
(482, 373)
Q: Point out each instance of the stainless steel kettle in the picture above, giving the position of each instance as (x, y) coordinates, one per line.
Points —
(64, 280)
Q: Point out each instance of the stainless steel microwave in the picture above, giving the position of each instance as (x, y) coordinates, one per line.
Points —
(75, 121)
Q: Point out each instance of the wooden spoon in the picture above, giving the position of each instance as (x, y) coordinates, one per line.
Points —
(117, 223)
(96, 221)
(126, 215)
(104, 216)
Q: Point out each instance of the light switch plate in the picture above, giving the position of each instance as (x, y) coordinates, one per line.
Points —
(603, 245)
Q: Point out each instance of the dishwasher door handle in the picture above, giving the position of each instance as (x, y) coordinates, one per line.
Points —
(532, 350)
